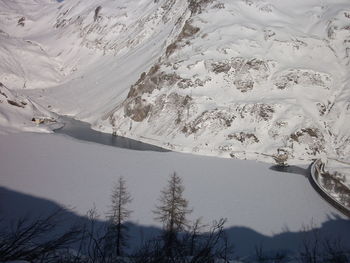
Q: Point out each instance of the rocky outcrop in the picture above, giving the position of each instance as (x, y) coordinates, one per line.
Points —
(203, 93)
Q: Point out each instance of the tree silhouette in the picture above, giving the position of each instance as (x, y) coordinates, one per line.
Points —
(117, 231)
(172, 211)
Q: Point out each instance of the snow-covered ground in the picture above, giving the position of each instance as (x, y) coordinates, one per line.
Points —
(227, 78)
(247, 78)
(80, 175)
(239, 79)
(339, 168)
(335, 180)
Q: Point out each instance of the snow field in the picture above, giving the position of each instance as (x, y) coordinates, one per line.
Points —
(80, 175)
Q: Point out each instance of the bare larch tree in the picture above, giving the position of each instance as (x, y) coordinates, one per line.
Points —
(119, 214)
(172, 211)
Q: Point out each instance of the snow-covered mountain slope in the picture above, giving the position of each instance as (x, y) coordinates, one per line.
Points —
(101, 46)
(18, 113)
(236, 78)
(17, 67)
(249, 77)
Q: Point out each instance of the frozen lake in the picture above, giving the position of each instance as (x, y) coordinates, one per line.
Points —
(261, 204)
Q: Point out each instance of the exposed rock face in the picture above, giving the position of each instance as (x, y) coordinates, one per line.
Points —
(205, 96)
(311, 137)
(294, 77)
(244, 73)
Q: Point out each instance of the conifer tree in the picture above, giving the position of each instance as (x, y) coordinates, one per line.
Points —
(172, 211)
(117, 231)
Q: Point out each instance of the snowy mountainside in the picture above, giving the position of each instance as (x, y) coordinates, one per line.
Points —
(18, 113)
(246, 78)
(101, 48)
(236, 78)
(17, 69)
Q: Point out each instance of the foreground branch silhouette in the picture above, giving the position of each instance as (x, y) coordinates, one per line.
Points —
(40, 238)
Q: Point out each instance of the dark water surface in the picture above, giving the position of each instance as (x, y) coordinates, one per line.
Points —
(82, 131)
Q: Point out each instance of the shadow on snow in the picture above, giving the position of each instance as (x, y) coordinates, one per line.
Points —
(14, 205)
(292, 169)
